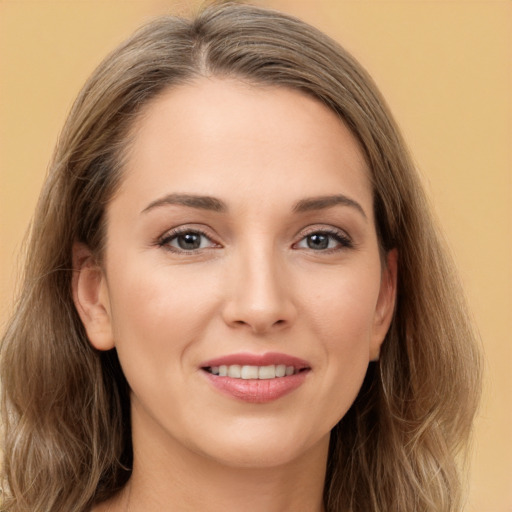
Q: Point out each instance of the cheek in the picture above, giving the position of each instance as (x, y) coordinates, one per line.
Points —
(156, 314)
(347, 335)
(344, 306)
(342, 319)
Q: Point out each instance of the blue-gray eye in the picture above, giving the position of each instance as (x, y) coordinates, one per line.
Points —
(321, 241)
(187, 241)
(318, 241)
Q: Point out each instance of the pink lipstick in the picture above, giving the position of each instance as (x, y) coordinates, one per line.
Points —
(256, 378)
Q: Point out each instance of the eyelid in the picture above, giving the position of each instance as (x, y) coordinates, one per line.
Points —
(344, 239)
(341, 235)
(163, 240)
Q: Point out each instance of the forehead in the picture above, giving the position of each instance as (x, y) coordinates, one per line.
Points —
(224, 137)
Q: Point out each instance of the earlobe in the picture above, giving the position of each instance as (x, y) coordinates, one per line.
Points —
(90, 296)
(385, 304)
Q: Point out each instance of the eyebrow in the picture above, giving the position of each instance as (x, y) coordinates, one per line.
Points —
(323, 202)
(192, 201)
(216, 205)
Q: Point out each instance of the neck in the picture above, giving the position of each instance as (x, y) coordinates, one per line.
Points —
(218, 488)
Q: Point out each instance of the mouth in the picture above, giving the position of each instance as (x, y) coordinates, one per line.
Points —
(256, 378)
(247, 372)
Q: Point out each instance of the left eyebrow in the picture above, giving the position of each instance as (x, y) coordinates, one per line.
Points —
(323, 202)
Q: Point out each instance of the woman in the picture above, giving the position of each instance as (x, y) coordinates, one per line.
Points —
(234, 293)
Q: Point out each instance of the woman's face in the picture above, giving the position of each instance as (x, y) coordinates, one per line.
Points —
(241, 247)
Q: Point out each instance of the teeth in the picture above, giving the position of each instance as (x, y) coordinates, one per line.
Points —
(249, 372)
(234, 371)
(267, 372)
(280, 370)
(237, 371)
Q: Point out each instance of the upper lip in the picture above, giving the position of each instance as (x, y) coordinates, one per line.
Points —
(248, 359)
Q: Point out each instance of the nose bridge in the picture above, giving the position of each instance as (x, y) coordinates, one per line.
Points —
(259, 296)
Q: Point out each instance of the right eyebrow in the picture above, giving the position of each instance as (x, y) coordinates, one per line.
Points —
(190, 200)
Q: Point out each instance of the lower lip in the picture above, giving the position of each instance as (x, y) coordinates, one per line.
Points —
(257, 391)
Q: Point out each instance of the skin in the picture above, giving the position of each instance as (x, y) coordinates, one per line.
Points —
(256, 284)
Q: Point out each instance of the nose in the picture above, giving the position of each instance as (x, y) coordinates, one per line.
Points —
(259, 293)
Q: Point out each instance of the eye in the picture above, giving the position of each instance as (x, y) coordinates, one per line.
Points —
(186, 240)
(324, 241)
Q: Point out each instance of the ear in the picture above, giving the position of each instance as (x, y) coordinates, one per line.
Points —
(90, 295)
(385, 304)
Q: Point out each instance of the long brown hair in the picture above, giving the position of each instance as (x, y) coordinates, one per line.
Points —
(67, 441)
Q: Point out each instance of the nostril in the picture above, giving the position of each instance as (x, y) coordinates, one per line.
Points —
(260, 314)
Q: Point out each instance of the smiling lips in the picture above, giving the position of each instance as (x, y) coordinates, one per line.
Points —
(256, 378)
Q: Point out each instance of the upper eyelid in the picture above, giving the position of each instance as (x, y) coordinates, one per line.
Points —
(344, 240)
(325, 228)
(303, 232)
(179, 230)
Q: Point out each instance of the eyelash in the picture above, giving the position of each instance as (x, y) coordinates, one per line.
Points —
(175, 233)
(339, 237)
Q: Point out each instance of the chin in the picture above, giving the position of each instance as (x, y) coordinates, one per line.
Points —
(255, 449)
(257, 458)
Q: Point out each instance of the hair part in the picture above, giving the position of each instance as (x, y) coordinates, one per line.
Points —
(67, 440)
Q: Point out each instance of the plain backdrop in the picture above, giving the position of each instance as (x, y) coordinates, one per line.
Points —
(445, 68)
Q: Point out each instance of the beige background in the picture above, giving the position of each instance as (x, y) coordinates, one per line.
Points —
(445, 68)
